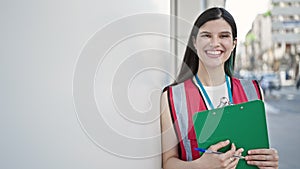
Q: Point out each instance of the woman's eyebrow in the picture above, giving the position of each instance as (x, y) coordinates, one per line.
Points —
(204, 32)
(207, 32)
(226, 32)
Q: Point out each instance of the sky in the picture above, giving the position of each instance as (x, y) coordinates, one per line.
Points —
(244, 13)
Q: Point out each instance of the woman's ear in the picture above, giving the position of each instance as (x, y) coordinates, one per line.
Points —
(234, 43)
(194, 41)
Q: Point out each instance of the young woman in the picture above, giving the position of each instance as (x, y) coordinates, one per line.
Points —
(204, 78)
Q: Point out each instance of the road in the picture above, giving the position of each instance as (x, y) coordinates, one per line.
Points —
(283, 117)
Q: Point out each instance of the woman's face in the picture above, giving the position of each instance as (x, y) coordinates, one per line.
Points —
(214, 43)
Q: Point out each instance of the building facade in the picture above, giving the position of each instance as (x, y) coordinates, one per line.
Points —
(273, 43)
(258, 44)
(285, 16)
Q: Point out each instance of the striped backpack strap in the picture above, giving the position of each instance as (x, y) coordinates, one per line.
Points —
(181, 115)
(249, 89)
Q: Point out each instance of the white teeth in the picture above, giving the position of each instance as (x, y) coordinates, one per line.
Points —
(213, 52)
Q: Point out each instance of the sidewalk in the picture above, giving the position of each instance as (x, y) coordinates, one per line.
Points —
(283, 116)
(286, 92)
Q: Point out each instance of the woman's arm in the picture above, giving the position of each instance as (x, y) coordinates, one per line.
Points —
(170, 157)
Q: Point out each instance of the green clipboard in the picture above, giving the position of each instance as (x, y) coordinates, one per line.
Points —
(243, 124)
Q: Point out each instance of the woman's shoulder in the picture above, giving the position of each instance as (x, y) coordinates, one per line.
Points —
(235, 79)
(177, 84)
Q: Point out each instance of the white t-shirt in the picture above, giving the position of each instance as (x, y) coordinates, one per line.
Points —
(215, 93)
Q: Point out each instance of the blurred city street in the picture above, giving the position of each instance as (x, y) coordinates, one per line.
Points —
(283, 116)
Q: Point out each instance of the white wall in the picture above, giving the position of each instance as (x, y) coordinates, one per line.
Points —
(80, 83)
(187, 14)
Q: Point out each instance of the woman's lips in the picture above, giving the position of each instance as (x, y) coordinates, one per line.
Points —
(213, 53)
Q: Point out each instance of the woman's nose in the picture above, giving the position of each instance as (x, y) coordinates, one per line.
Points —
(214, 41)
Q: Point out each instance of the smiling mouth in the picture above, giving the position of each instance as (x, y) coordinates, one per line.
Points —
(213, 52)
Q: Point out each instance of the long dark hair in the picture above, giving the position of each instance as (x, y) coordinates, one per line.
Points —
(190, 64)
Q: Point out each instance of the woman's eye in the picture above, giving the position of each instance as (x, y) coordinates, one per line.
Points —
(225, 36)
(205, 35)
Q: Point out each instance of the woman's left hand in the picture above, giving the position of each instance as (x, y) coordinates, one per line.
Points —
(263, 158)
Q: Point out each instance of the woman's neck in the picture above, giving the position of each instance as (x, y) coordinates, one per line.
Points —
(211, 77)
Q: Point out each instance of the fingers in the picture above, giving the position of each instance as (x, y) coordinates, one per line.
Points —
(226, 155)
(219, 145)
(230, 160)
(231, 152)
(263, 164)
(263, 158)
(263, 151)
(233, 161)
(263, 155)
(239, 151)
(227, 159)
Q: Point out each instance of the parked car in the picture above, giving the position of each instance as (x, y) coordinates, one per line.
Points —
(298, 83)
(270, 81)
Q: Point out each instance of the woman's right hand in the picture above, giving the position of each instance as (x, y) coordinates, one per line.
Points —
(225, 160)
